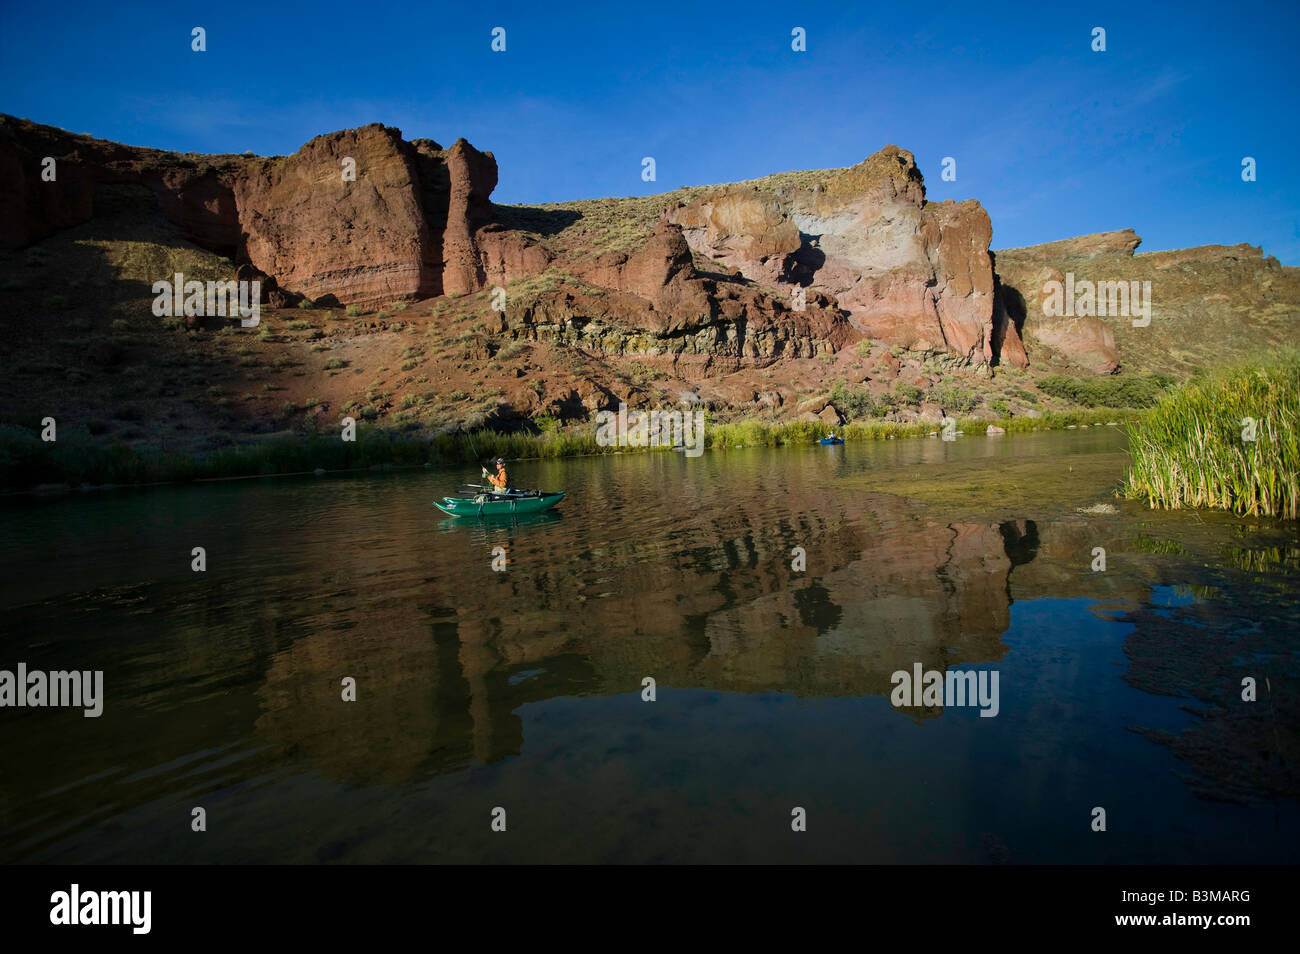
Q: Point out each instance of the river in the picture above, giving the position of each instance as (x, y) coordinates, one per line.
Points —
(523, 688)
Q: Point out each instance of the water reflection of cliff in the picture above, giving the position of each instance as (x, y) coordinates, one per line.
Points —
(443, 671)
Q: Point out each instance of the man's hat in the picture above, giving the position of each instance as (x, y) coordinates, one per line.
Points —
(499, 460)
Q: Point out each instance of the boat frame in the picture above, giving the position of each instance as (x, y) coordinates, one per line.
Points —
(474, 507)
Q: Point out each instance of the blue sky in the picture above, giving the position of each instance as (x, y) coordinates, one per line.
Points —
(1054, 139)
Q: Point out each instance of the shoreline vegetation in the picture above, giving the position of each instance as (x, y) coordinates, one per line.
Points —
(29, 464)
(1227, 440)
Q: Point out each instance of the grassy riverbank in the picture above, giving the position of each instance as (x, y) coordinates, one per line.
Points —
(26, 461)
(750, 433)
(1227, 441)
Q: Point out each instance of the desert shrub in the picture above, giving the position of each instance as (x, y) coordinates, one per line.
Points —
(954, 400)
(907, 393)
(639, 374)
(856, 403)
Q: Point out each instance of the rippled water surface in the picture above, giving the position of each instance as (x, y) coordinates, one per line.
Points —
(522, 689)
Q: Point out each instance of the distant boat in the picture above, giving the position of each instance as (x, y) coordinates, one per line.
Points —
(831, 440)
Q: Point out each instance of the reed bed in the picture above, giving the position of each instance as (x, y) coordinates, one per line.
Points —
(1192, 448)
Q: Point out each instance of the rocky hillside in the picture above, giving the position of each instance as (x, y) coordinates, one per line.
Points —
(396, 290)
(1208, 304)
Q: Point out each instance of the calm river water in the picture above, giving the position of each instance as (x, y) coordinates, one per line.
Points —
(522, 689)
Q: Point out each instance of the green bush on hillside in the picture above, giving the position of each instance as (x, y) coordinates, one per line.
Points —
(855, 403)
(1135, 391)
(952, 399)
(907, 393)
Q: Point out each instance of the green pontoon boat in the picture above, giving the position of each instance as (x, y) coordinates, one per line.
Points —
(496, 505)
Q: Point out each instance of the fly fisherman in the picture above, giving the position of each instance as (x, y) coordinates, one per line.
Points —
(499, 480)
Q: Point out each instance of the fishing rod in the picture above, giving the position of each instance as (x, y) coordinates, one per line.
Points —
(472, 446)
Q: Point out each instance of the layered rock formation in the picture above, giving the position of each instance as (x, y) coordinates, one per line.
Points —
(192, 191)
(317, 233)
(655, 304)
(1206, 303)
(363, 216)
(790, 266)
(359, 215)
(909, 273)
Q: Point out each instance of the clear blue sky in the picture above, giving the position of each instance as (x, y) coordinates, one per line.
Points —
(1054, 139)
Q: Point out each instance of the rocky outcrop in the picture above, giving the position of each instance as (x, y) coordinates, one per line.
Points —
(506, 255)
(193, 191)
(1120, 242)
(1204, 305)
(654, 305)
(661, 271)
(472, 177)
(404, 227)
(341, 216)
(862, 246)
(907, 272)
(956, 238)
(1085, 341)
